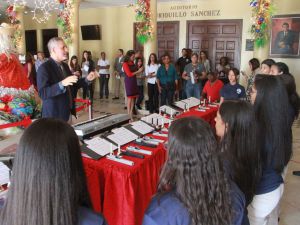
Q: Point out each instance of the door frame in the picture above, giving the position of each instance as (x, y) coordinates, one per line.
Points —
(239, 21)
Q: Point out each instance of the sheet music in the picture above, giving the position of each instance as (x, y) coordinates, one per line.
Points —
(188, 103)
(168, 110)
(4, 174)
(142, 127)
(157, 119)
(99, 145)
(122, 136)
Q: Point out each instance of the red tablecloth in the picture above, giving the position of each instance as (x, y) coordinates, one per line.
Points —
(209, 115)
(122, 193)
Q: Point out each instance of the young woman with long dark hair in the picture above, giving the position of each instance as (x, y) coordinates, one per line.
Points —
(233, 90)
(254, 67)
(48, 185)
(294, 100)
(150, 72)
(266, 65)
(279, 68)
(74, 66)
(131, 70)
(87, 66)
(237, 129)
(193, 187)
(271, 105)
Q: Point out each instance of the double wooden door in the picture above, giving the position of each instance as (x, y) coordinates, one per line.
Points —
(218, 38)
(167, 39)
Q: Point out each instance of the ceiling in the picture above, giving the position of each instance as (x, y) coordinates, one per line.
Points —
(90, 3)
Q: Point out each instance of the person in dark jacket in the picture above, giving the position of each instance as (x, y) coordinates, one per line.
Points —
(56, 84)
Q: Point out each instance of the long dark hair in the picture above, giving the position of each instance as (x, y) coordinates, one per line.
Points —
(290, 85)
(89, 58)
(73, 66)
(282, 68)
(200, 58)
(268, 62)
(155, 59)
(271, 109)
(48, 184)
(128, 55)
(195, 171)
(254, 63)
(240, 146)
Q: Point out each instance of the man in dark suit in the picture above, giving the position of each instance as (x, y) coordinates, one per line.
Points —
(285, 40)
(56, 84)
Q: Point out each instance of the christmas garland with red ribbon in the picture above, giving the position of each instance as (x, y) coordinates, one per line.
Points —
(143, 16)
(64, 19)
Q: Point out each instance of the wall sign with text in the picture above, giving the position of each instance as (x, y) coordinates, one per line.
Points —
(182, 11)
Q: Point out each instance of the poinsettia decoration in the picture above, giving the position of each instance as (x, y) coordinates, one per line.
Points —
(64, 19)
(11, 13)
(143, 16)
(262, 11)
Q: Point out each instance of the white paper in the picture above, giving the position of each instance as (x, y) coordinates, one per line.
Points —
(192, 77)
(142, 127)
(100, 146)
(169, 110)
(188, 103)
(122, 136)
(4, 174)
(157, 119)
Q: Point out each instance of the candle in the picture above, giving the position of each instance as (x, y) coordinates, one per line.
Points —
(119, 149)
(111, 149)
(162, 122)
(209, 99)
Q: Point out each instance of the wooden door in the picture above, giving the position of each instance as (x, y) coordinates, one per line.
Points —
(47, 35)
(218, 38)
(168, 39)
(31, 41)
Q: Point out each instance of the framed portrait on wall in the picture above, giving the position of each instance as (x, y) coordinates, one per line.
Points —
(285, 38)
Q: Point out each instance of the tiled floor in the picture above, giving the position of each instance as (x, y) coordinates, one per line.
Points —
(290, 205)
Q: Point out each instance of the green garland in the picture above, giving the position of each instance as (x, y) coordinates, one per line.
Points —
(143, 16)
(262, 11)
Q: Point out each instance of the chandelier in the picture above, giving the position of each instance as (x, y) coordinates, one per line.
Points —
(42, 10)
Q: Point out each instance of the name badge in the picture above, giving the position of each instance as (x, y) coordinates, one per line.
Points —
(86, 68)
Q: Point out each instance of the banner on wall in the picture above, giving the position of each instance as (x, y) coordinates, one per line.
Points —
(182, 11)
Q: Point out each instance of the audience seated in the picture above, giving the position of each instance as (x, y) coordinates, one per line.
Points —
(48, 184)
(185, 194)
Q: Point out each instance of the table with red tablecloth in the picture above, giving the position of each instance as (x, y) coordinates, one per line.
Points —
(121, 192)
(209, 114)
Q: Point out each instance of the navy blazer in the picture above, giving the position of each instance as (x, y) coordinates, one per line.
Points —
(169, 210)
(56, 100)
(88, 217)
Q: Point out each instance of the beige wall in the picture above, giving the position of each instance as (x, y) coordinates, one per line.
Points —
(117, 25)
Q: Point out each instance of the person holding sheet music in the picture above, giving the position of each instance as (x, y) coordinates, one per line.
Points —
(192, 73)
